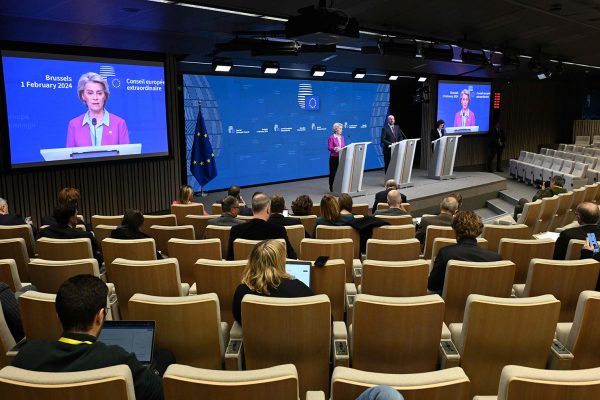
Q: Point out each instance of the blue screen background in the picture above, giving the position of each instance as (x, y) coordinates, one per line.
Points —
(480, 102)
(38, 117)
(271, 130)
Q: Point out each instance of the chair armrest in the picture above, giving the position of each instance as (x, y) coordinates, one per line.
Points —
(357, 274)
(236, 331)
(350, 307)
(518, 289)
(350, 290)
(193, 289)
(315, 395)
(485, 398)
(234, 349)
(341, 354)
(114, 314)
(185, 289)
(560, 357)
(448, 356)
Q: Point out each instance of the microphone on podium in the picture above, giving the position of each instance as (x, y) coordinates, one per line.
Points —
(94, 122)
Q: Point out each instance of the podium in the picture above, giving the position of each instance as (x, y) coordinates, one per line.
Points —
(401, 162)
(72, 153)
(444, 153)
(349, 175)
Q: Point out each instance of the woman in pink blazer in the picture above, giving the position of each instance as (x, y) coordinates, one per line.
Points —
(464, 117)
(334, 145)
(96, 127)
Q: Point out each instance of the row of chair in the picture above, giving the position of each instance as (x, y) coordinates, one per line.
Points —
(531, 168)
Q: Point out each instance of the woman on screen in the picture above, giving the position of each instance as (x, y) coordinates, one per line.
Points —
(464, 117)
(334, 145)
(96, 127)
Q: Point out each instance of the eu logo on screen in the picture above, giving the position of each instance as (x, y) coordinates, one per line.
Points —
(312, 103)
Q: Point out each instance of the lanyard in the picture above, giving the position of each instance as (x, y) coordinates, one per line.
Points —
(73, 341)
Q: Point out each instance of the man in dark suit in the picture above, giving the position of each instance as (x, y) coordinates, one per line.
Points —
(448, 207)
(258, 228)
(496, 140)
(381, 197)
(390, 134)
(467, 226)
(587, 216)
(231, 208)
(394, 200)
(9, 219)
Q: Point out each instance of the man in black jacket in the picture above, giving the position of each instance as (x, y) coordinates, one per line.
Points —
(587, 215)
(81, 308)
(381, 197)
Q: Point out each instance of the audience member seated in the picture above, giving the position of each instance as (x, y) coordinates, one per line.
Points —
(130, 228)
(588, 252)
(258, 228)
(67, 196)
(235, 191)
(10, 309)
(302, 206)
(448, 207)
(556, 187)
(394, 200)
(81, 308)
(381, 197)
(587, 216)
(277, 209)
(345, 202)
(8, 218)
(265, 275)
(330, 213)
(467, 226)
(65, 228)
(186, 195)
(231, 209)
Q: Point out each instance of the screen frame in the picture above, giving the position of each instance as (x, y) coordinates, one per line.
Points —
(71, 53)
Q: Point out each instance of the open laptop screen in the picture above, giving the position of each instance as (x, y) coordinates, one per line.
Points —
(299, 270)
(134, 336)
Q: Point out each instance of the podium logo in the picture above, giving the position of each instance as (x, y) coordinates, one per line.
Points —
(304, 90)
(108, 71)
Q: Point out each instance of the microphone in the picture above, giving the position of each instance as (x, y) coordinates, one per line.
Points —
(94, 122)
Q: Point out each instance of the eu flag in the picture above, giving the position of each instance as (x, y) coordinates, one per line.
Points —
(202, 159)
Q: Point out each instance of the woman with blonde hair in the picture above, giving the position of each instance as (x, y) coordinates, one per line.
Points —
(186, 195)
(265, 275)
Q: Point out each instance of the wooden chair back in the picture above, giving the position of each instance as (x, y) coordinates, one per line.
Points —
(440, 243)
(385, 206)
(295, 235)
(395, 279)
(530, 214)
(585, 333)
(340, 232)
(360, 209)
(199, 222)
(48, 275)
(216, 209)
(316, 210)
(574, 249)
(38, 316)
(181, 210)
(591, 191)
(396, 219)
(20, 231)
(221, 233)
(187, 252)
(9, 274)
(136, 249)
(433, 232)
(64, 249)
(578, 196)
(17, 250)
(111, 220)
(311, 249)
(243, 247)
(309, 222)
(547, 213)
(393, 250)
(331, 281)
(394, 232)
(102, 232)
(521, 251)
(493, 234)
(162, 235)
(163, 220)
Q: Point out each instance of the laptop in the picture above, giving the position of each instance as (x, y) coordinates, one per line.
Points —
(135, 337)
(299, 270)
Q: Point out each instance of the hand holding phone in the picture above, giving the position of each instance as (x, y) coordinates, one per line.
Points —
(593, 243)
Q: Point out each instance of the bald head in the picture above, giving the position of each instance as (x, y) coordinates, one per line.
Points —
(449, 205)
(587, 213)
(394, 198)
(391, 184)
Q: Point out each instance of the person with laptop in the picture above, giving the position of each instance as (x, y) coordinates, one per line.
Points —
(265, 275)
(81, 308)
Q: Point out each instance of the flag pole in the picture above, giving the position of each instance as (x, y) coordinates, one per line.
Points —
(202, 192)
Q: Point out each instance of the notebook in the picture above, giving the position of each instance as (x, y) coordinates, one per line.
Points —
(135, 337)
(299, 270)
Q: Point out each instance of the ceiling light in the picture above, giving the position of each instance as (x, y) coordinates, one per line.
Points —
(270, 67)
(359, 73)
(318, 70)
(222, 64)
(422, 79)
(393, 77)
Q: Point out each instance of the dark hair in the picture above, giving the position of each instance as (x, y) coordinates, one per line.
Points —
(133, 219)
(467, 224)
(439, 122)
(558, 180)
(330, 209)
(302, 205)
(587, 212)
(230, 202)
(78, 301)
(64, 212)
(277, 203)
(345, 202)
(234, 191)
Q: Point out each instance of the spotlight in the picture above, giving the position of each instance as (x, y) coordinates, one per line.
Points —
(270, 67)
(318, 70)
(392, 77)
(359, 73)
(222, 64)
(422, 79)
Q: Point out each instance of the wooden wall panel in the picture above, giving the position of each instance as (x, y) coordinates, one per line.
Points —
(589, 127)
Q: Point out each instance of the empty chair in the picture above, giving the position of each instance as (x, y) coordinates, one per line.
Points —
(466, 277)
(115, 383)
(520, 252)
(360, 209)
(220, 277)
(535, 172)
(162, 234)
(433, 232)
(48, 275)
(309, 222)
(564, 204)
(9, 274)
(64, 249)
(547, 213)
(340, 232)
(565, 280)
(102, 232)
(243, 247)
(440, 243)
(500, 331)
(38, 316)
(578, 196)
(513, 163)
(393, 250)
(577, 177)
(393, 316)
(562, 147)
(316, 210)
(530, 214)
(19, 231)
(525, 169)
(547, 173)
(395, 279)
(394, 232)
(592, 171)
(582, 140)
(182, 381)
(163, 220)
(517, 165)
(181, 210)
(221, 233)
(311, 249)
(216, 209)
(588, 151)
(396, 219)
(188, 326)
(113, 220)
(199, 222)
(187, 252)
(569, 157)
(16, 250)
(452, 383)
(136, 249)
(330, 280)
(295, 235)
(493, 234)
(591, 192)
(155, 277)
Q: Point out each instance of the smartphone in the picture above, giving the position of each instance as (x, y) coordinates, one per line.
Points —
(321, 261)
(592, 239)
(286, 213)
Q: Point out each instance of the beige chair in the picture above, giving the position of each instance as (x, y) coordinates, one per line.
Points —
(216, 209)
(155, 277)
(187, 252)
(115, 383)
(181, 210)
(498, 331)
(64, 249)
(221, 233)
(433, 232)
(385, 206)
(578, 196)
(465, 277)
(394, 232)
(360, 209)
(295, 235)
(397, 347)
(189, 326)
(563, 279)
(440, 243)
(102, 232)
(220, 277)
(309, 222)
(9, 274)
(547, 213)
(20, 231)
(493, 234)
(279, 382)
(303, 337)
(48, 275)
(38, 316)
(330, 280)
(17, 250)
(316, 210)
(199, 222)
(523, 383)
(396, 219)
(243, 247)
(591, 192)
(136, 249)
(7, 341)
(339, 232)
(393, 250)
(111, 220)
(530, 214)
(395, 279)
(564, 205)
(574, 249)
(162, 235)
(521, 252)
(311, 249)
(452, 383)
(163, 220)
